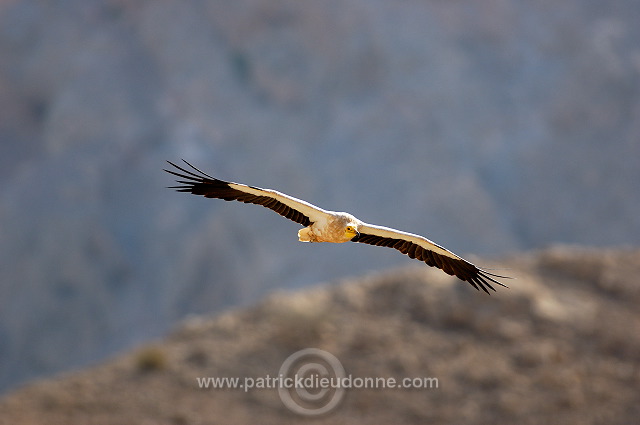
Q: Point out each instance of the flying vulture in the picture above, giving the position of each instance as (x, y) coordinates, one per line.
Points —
(330, 226)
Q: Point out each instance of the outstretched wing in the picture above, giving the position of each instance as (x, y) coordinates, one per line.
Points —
(200, 183)
(434, 255)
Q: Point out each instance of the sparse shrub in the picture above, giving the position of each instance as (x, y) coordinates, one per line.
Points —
(151, 359)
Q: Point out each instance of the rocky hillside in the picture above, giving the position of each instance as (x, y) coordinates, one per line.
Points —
(490, 127)
(561, 346)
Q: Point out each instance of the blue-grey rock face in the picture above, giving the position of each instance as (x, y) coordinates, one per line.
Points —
(487, 127)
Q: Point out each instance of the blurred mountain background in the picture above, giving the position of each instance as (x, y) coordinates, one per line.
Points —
(489, 127)
(561, 347)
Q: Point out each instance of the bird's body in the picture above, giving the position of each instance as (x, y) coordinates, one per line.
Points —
(335, 227)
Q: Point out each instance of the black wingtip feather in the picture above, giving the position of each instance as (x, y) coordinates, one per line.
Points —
(473, 284)
(484, 271)
(190, 174)
(484, 284)
(487, 276)
(197, 169)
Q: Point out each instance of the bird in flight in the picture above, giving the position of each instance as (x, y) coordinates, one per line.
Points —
(330, 226)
